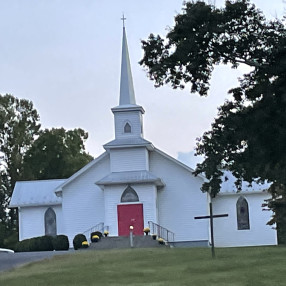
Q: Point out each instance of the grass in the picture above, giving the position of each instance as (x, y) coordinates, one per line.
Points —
(188, 266)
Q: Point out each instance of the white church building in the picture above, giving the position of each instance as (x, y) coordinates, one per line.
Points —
(134, 183)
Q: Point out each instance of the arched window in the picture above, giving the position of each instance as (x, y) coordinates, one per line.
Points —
(242, 213)
(127, 128)
(129, 195)
(50, 222)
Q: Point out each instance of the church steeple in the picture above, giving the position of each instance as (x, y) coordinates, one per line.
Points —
(127, 95)
(128, 120)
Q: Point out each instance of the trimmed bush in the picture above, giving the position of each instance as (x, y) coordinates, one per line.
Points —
(78, 240)
(41, 243)
(22, 246)
(61, 242)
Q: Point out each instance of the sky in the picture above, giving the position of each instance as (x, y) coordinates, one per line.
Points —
(65, 55)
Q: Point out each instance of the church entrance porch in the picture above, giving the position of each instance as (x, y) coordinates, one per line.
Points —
(130, 214)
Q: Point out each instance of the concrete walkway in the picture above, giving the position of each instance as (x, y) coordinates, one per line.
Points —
(10, 261)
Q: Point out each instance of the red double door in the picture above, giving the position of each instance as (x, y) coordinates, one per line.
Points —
(131, 214)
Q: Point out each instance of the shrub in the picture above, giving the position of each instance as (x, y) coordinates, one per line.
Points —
(78, 240)
(41, 243)
(22, 246)
(98, 233)
(61, 242)
(11, 241)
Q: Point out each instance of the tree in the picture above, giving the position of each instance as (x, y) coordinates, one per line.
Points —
(56, 153)
(249, 134)
(26, 153)
(19, 124)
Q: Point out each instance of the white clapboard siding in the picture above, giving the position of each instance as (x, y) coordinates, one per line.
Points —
(32, 221)
(134, 118)
(134, 159)
(225, 229)
(180, 200)
(83, 200)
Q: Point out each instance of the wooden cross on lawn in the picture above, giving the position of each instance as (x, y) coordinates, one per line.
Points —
(211, 217)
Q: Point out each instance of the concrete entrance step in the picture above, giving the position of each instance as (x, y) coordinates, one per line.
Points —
(124, 242)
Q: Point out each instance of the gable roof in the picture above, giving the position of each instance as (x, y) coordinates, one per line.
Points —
(228, 185)
(80, 172)
(131, 177)
(35, 193)
(179, 163)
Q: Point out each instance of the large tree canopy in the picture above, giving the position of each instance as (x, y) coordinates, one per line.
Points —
(56, 153)
(26, 152)
(248, 136)
(19, 124)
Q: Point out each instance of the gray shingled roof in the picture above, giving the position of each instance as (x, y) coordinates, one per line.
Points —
(228, 185)
(32, 193)
(130, 177)
(127, 142)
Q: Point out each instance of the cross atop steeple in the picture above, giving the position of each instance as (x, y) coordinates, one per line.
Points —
(123, 20)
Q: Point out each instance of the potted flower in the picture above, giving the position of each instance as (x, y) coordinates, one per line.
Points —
(146, 230)
(106, 233)
(160, 240)
(84, 244)
(95, 238)
(154, 236)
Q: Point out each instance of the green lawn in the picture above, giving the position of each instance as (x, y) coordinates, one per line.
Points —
(188, 266)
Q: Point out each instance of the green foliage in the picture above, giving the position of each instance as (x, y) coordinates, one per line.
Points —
(248, 136)
(11, 240)
(56, 153)
(41, 243)
(26, 152)
(19, 124)
(78, 240)
(61, 242)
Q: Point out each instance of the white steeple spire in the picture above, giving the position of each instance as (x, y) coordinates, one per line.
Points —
(127, 95)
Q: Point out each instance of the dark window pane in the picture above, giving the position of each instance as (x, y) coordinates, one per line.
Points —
(242, 214)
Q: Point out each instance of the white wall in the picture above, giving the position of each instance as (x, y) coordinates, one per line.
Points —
(180, 200)
(134, 118)
(32, 221)
(147, 194)
(225, 229)
(129, 159)
(83, 200)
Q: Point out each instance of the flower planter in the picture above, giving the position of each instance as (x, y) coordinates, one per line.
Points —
(161, 241)
(146, 230)
(95, 238)
(154, 236)
(84, 244)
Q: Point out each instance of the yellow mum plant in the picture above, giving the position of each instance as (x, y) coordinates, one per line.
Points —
(85, 244)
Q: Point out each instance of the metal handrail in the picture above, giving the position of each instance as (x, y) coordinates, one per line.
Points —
(99, 227)
(161, 231)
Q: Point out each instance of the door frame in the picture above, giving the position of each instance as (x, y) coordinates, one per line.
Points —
(126, 204)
